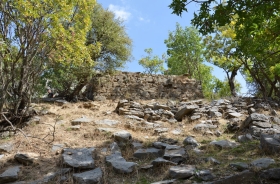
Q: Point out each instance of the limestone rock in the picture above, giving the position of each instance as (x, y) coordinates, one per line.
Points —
(124, 167)
(185, 110)
(165, 182)
(80, 158)
(6, 147)
(26, 158)
(262, 163)
(245, 138)
(161, 161)
(88, 177)
(81, 120)
(224, 144)
(10, 175)
(190, 141)
(148, 153)
(205, 175)
(182, 172)
(254, 117)
(107, 122)
(122, 136)
(270, 144)
(271, 174)
(175, 155)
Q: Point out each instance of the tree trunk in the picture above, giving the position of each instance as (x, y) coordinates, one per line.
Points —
(231, 80)
(76, 91)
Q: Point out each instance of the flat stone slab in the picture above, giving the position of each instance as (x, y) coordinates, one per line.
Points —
(262, 124)
(81, 120)
(6, 147)
(89, 177)
(185, 110)
(26, 158)
(271, 174)
(107, 122)
(10, 175)
(116, 157)
(123, 167)
(270, 144)
(160, 130)
(175, 155)
(165, 182)
(148, 153)
(262, 163)
(57, 147)
(205, 175)
(81, 158)
(254, 117)
(182, 172)
(224, 144)
(235, 114)
(49, 178)
(202, 127)
(161, 161)
(122, 136)
(110, 130)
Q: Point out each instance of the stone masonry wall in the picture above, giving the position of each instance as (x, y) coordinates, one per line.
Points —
(125, 85)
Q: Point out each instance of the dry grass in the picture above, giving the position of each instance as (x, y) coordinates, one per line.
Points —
(88, 136)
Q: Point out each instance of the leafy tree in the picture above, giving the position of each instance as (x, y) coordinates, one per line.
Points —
(116, 45)
(152, 64)
(222, 89)
(185, 51)
(114, 52)
(219, 13)
(220, 51)
(32, 34)
(257, 35)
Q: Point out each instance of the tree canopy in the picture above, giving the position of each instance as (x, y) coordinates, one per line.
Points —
(152, 64)
(256, 36)
(34, 33)
(113, 52)
(185, 56)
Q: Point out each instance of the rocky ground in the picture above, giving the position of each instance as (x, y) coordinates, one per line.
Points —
(163, 141)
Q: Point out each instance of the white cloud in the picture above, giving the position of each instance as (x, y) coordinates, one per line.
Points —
(119, 12)
(143, 19)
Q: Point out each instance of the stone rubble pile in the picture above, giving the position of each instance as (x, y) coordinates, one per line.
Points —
(79, 164)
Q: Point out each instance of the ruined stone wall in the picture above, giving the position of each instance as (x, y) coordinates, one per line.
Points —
(124, 85)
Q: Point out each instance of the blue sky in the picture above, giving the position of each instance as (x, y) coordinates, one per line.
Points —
(148, 23)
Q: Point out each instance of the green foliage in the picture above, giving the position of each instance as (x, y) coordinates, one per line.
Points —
(152, 64)
(185, 51)
(110, 49)
(255, 33)
(221, 51)
(116, 45)
(34, 34)
(222, 89)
